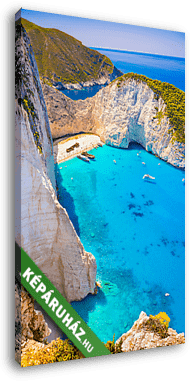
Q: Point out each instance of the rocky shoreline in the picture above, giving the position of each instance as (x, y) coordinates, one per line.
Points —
(141, 336)
(102, 80)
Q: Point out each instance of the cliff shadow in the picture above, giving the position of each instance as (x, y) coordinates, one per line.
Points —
(89, 303)
(56, 332)
(66, 200)
(135, 145)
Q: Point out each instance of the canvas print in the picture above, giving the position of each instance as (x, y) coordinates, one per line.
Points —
(99, 187)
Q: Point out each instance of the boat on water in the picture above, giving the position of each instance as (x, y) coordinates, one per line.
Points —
(148, 176)
(88, 155)
(84, 158)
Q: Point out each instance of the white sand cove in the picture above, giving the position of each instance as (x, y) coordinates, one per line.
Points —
(80, 143)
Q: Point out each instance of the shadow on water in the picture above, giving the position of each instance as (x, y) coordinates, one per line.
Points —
(66, 200)
(83, 308)
(150, 182)
(88, 304)
(83, 93)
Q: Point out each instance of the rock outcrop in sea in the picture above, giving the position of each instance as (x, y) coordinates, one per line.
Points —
(42, 226)
(119, 113)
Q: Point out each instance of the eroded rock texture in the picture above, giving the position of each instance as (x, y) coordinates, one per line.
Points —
(140, 337)
(32, 321)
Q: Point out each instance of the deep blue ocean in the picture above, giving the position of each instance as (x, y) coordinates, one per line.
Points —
(163, 68)
(136, 231)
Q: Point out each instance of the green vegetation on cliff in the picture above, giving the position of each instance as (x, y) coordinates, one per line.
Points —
(23, 93)
(174, 99)
(62, 58)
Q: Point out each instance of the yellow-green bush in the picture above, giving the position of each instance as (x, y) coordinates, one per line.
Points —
(59, 350)
(56, 351)
(159, 324)
(163, 318)
(112, 347)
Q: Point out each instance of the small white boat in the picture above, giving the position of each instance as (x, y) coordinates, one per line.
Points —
(148, 176)
(86, 159)
(88, 155)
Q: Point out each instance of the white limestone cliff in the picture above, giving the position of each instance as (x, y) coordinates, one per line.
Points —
(130, 116)
(119, 115)
(42, 225)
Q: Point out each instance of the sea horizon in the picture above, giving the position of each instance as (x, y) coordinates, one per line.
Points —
(136, 52)
(163, 68)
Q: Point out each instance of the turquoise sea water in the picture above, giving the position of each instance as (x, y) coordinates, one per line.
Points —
(135, 229)
(157, 67)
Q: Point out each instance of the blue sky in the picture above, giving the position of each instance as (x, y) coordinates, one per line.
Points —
(105, 34)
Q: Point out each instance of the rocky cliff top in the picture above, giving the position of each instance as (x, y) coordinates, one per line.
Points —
(174, 100)
(62, 59)
(146, 335)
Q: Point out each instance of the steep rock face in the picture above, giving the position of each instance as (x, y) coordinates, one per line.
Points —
(32, 321)
(119, 115)
(139, 337)
(30, 324)
(42, 226)
(18, 328)
(129, 115)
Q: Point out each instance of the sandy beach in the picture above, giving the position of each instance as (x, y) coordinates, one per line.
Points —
(83, 142)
